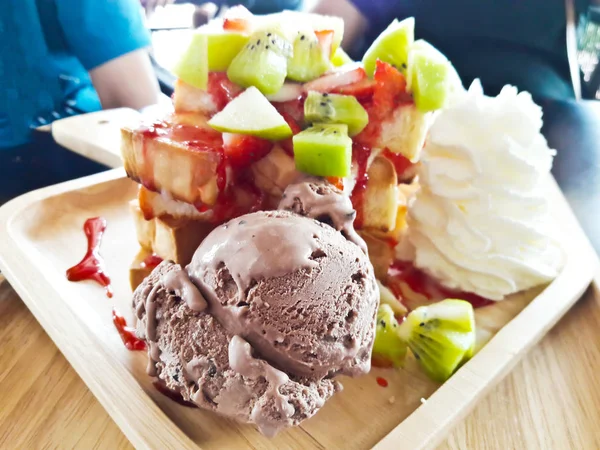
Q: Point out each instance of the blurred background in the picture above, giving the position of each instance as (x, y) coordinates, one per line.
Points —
(60, 58)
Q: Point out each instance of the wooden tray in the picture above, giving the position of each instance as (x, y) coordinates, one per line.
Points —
(41, 236)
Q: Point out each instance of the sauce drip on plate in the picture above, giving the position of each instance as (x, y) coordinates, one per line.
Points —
(127, 333)
(91, 267)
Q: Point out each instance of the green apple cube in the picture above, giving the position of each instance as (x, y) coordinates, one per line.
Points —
(251, 113)
(340, 58)
(324, 150)
(192, 67)
(391, 46)
(223, 46)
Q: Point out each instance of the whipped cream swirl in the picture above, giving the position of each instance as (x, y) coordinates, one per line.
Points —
(480, 222)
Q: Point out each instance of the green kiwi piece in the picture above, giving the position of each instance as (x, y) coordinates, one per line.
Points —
(388, 345)
(262, 62)
(340, 58)
(430, 76)
(335, 108)
(324, 150)
(441, 336)
(308, 60)
(391, 46)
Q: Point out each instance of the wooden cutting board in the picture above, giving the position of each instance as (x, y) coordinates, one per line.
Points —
(41, 236)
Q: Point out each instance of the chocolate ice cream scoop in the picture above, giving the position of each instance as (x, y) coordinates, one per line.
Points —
(197, 357)
(295, 289)
(316, 198)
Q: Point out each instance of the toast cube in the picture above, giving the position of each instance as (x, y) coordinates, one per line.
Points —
(162, 163)
(405, 131)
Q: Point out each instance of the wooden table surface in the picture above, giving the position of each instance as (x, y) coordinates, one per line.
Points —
(550, 401)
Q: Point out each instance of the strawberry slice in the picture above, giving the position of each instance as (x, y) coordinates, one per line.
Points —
(334, 80)
(238, 18)
(363, 90)
(222, 89)
(325, 38)
(237, 24)
(390, 90)
(242, 150)
(287, 144)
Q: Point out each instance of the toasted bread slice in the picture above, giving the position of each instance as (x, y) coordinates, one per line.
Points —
(274, 172)
(152, 204)
(168, 237)
(144, 229)
(138, 270)
(161, 163)
(381, 196)
(187, 98)
(405, 131)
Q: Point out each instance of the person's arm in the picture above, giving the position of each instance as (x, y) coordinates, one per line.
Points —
(127, 80)
(110, 40)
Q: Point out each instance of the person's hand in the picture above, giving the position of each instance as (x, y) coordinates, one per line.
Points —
(150, 5)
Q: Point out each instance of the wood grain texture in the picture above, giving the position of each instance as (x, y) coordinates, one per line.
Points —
(549, 401)
(46, 226)
(97, 135)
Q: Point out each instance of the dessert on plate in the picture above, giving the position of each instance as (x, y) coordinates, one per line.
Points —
(302, 216)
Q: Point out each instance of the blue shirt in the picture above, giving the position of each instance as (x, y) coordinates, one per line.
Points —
(47, 48)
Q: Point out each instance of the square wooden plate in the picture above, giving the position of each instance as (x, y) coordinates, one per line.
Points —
(41, 236)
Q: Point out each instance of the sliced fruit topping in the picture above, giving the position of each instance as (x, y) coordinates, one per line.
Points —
(221, 89)
(262, 62)
(389, 349)
(192, 67)
(240, 116)
(223, 46)
(238, 18)
(308, 61)
(324, 150)
(389, 92)
(441, 336)
(391, 46)
(387, 297)
(317, 22)
(340, 58)
(242, 150)
(340, 78)
(335, 108)
(237, 24)
(325, 38)
(288, 92)
(429, 76)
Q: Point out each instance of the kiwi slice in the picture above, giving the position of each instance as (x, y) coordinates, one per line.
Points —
(192, 67)
(308, 60)
(388, 346)
(429, 77)
(335, 108)
(340, 58)
(262, 62)
(441, 336)
(391, 46)
(324, 150)
(240, 116)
